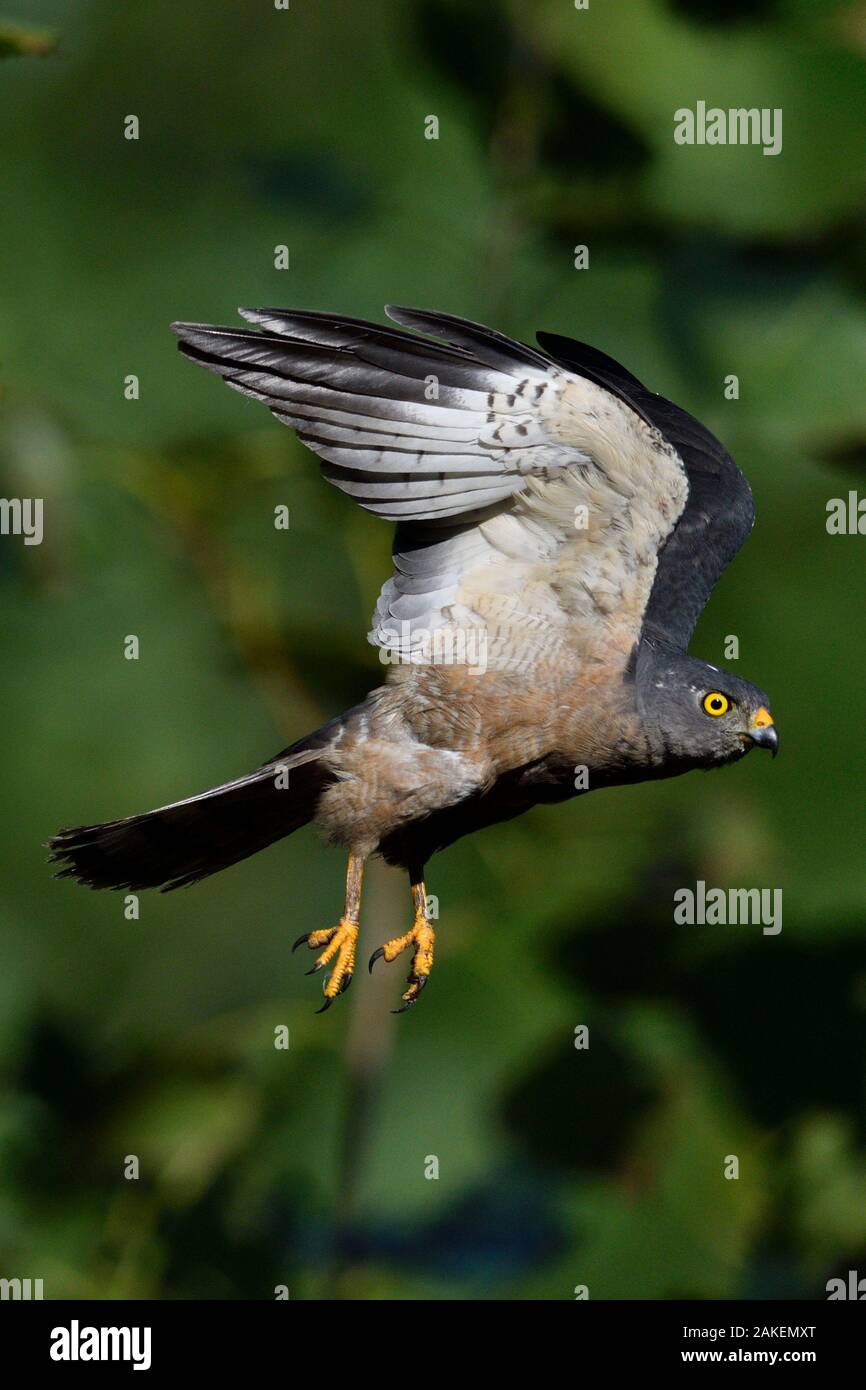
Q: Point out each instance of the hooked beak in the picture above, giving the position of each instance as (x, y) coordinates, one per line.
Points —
(762, 731)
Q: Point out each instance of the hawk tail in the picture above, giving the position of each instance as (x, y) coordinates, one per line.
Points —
(179, 844)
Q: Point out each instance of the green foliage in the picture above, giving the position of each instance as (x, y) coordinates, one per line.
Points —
(155, 1037)
(17, 41)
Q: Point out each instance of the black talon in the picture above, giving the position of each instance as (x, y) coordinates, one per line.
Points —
(420, 982)
(320, 965)
(301, 939)
(327, 1004)
(346, 981)
(376, 956)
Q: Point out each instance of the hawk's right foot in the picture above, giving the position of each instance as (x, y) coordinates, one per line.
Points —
(340, 942)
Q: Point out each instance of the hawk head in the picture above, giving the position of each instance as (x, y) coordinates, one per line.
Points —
(701, 715)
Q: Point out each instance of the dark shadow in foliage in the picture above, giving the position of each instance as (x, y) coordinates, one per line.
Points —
(580, 1109)
(726, 12)
(784, 1020)
(580, 137)
(72, 1094)
(848, 454)
(702, 269)
(490, 62)
(314, 184)
(498, 1230)
(212, 1257)
(780, 1013)
(473, 49)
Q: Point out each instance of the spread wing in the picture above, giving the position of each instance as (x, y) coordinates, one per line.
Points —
(719, 513)
(532, 497)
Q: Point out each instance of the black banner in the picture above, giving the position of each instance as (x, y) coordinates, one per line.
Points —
(221, 1338)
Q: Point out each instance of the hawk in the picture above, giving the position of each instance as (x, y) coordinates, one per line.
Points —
(559, 529)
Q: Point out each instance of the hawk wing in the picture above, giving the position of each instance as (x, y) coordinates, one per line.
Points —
(533, 494)
(719, 513)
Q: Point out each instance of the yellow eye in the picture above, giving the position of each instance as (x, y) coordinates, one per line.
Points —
(716, 703)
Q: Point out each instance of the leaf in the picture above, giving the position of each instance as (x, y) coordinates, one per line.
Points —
(17, 41)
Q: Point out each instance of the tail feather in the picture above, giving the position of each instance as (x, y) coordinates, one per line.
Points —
(179, 844)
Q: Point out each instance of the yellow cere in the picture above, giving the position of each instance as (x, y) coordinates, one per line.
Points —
(763, 719)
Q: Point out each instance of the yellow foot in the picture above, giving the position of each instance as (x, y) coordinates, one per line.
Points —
(339, 942)
(422, 937)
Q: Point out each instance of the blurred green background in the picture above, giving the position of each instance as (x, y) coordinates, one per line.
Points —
(306, 1167)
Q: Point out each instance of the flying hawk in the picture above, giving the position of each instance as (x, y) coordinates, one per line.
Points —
(559, 529)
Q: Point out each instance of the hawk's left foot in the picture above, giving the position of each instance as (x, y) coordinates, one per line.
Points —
(422, 937)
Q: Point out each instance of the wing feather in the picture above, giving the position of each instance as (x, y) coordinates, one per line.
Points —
(719, 513)
(531, 499)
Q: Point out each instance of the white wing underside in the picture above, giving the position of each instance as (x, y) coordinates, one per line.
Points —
(530, 503)
(566, 561)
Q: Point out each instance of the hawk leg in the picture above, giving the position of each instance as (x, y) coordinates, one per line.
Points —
(340, 941)
(421, 936)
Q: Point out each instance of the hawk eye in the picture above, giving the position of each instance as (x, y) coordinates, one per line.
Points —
(716, 703)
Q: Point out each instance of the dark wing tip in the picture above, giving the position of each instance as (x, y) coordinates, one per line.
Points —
(592, 358)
